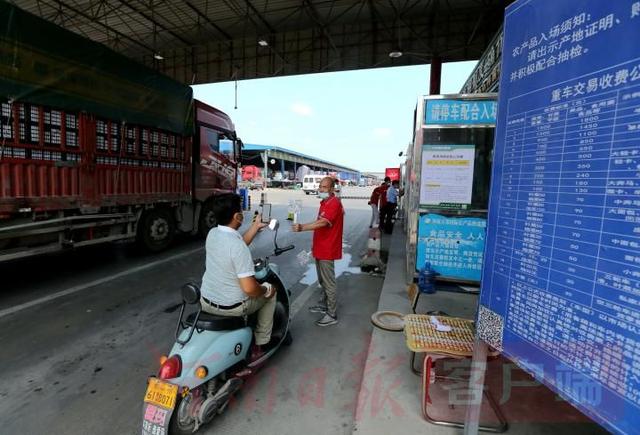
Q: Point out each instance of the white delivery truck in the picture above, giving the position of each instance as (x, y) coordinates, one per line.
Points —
(311, 183)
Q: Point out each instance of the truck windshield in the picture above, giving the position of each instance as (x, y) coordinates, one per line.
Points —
(217, 142)
(226, 146)
(211, 138)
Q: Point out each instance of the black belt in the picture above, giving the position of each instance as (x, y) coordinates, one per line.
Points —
(222, 307)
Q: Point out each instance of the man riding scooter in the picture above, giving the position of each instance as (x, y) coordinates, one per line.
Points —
(229, 286)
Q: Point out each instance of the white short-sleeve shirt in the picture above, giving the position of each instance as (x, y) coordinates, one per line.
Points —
(227, 258)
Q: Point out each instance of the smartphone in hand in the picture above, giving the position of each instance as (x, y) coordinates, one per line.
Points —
(266, 214)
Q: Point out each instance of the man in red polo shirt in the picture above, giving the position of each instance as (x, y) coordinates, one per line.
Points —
(374, 200)
(327, 247)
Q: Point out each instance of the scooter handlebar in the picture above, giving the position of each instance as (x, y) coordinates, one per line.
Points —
(279, 251)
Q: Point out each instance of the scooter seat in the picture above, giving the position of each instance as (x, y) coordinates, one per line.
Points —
(213, 322)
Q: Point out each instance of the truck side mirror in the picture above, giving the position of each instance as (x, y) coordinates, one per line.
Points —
(238, 149)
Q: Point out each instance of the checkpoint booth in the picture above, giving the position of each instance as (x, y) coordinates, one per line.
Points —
(560, 289)
(447, 185)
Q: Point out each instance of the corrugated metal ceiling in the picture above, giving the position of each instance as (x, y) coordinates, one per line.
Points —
(203, 41)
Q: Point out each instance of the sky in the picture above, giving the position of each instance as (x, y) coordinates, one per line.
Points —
(360, 119)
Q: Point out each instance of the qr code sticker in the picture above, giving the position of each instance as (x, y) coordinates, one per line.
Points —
(490, 327)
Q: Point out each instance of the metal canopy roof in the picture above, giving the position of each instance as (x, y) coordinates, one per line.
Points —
(203, 41)
(295, 156)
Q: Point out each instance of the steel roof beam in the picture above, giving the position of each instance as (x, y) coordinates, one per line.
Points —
(208, 20)
(347, 10)
(172, 7)
(260, 17)
(399, 17)
(156, 23)
(313, 13)
(119, 16)
(376, 14)
(289, 15)
(108, 28)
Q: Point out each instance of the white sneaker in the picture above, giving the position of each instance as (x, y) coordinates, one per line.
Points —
(327, 320)
(318, 308)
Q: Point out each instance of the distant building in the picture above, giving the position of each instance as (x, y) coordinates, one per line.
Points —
(371, 178)
(282, 164)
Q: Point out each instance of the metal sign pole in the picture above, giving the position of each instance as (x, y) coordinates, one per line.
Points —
(266, 168)
(476, 387)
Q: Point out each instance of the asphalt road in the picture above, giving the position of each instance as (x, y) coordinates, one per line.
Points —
(81, 331)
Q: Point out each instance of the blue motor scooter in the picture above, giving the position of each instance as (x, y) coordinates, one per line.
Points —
(209, 361)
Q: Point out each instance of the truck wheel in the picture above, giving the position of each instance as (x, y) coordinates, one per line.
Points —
(207, 219)
(156, 229)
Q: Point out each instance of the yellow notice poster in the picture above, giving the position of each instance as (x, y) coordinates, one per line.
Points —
(447, 175)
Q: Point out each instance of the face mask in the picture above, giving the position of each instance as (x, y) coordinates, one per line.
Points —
(323, 195)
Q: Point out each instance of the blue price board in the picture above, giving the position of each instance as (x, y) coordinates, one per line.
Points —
(452, 245)
(460, 112)
(561, 280)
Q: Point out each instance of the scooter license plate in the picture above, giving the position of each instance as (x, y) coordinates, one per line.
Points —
(161, 393)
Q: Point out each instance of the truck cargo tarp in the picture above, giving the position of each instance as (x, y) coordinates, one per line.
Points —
(44, 64)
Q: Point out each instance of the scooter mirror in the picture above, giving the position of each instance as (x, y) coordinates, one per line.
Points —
(274, 224)
(190, 293)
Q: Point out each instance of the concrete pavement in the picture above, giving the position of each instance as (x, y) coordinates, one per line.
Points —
(389, 400)
(76, 358)
(389, 394)
(76, 363)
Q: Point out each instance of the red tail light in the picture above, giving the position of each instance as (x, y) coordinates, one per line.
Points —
(171, 368)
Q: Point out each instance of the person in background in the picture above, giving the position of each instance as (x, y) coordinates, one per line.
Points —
(383, 202)
(390, 208)
(326, 248)
(239, 175)
(373, 202)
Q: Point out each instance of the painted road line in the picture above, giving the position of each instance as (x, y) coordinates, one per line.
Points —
(302, 299)
(81, 287)
(296, 305)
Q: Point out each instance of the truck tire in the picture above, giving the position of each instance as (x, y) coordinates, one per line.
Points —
(207, 219)
(156, 229)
